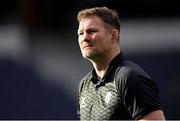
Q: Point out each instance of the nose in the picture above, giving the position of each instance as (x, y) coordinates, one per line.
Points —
(86, 37)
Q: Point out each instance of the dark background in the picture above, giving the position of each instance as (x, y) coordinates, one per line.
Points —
(40, 70)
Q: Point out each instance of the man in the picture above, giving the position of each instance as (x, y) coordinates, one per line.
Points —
(115, 89)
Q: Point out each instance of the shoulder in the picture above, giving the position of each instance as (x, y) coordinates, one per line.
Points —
(137, 90)
(131, 75)
(129, 69)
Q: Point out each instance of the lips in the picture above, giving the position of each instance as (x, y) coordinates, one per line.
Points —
(87, 46)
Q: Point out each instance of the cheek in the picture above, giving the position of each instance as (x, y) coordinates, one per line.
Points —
(79, 41)
(106, 43)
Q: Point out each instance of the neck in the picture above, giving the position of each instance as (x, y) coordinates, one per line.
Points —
(100, 68)
(101, 65)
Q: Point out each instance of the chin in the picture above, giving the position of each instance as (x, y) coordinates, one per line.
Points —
(89, 56)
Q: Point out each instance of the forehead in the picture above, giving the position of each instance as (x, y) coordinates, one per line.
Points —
(91, 21)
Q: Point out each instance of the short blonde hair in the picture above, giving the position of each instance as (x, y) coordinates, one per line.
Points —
(109, 16)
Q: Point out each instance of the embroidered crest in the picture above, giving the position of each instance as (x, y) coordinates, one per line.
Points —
(108, 97)
(83, 103)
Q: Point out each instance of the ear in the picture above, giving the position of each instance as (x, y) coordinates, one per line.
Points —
(115, 35)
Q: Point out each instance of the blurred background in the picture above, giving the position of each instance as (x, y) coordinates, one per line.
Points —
(41, 64)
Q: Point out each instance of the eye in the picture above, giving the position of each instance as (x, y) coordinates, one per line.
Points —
(80, 33)
(92, 31)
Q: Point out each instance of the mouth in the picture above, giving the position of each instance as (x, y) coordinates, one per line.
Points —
(87, 46)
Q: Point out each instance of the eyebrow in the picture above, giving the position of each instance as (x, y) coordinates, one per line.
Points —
(88, 29)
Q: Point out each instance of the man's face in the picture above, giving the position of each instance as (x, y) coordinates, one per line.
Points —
(93, 37)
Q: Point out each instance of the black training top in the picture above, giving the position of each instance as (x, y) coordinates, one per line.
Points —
(125, 92)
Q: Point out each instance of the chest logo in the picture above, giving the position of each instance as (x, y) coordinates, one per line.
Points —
(83, 103)
(108, 97)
